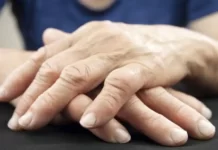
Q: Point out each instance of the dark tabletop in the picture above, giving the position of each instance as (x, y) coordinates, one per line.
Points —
(73, 137)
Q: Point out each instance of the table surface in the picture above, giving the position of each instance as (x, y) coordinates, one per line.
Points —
(73, 137)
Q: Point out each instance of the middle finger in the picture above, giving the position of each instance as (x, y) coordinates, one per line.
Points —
(77, 78)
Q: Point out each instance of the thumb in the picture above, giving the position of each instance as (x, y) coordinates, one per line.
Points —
(51, 34)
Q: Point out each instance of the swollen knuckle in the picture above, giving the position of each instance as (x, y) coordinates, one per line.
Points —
(112, 100)
(46, 72)
(120, 85)
(37, 58)
(75, 75)
(34, 61)
(50, 102)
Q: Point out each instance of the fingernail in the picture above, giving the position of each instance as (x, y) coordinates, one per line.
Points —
(206, 112)
(25, 120)
(179, 136)
(206, 128)
(122, 136)
(13, 122)
(88, 120)
(3, 92)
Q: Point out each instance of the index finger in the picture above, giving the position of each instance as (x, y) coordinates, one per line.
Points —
(18, 81)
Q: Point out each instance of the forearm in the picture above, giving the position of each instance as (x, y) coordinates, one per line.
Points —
(202, 54)
(11, 59)
(206, 25)
(203, 66)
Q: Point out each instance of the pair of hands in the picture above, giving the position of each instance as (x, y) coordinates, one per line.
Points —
(135, 62)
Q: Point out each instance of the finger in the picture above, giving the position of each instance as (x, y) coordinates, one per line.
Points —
(192, 102)
(117, 89)
(60, 119)
(15, 101)
(152, 124)
(113, 131)
(51, 35)
(46, 76)
(64, 119)
(77, 78)
(18, 81)
(186, 117)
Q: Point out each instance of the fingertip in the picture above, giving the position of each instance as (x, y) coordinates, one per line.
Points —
(3, 94)
(121, 136)
(25, 120)
(88, 120)
(112, 132)
(206, 112)
(179, 137)
(13, 123)
(206, 130)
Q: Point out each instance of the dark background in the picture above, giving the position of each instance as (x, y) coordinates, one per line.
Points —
(73, 137)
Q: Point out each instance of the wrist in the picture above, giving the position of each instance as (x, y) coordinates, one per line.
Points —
(201, 57)
(202, 62)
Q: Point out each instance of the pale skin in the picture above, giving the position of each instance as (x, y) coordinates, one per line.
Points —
(140, 61)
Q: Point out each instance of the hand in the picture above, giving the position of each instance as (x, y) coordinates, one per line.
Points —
(140, 116)
(9, 60)
(140, 61)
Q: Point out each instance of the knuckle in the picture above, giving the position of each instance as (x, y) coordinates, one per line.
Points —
(120, 85)
(75, 75)
(97, 24)
(112, 101)
(24, 104)
(158, 92)
(38, 57)
(149, 118)
(108, 29)
(105, 24)
(181, 110)
(49, 102)
(131, 105)
(47, 72)
(152, 119)
(91, 23)
(129, 108)
(114, 33)
(46, 33)
(148, 72)
(27, 99)
(158, 62)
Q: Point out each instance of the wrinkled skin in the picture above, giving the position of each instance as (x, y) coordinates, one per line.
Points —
(135, 62)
